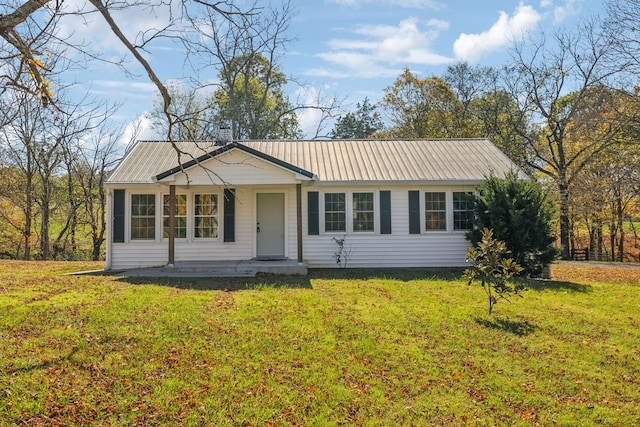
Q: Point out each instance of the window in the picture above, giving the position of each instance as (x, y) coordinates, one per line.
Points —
(435, 211)
(206, 216)
(181, 217)
(462, 210)
(363, 212)
(334, 212)
(143, 216)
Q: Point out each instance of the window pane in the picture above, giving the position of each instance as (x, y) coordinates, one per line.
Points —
(363, 212)
(180, 217)
(435, 210)
(143, 221)
(462, 211)
(334, 212)
(334, 221)
(206, 216)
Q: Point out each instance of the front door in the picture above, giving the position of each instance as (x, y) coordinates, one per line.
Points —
(270, 225)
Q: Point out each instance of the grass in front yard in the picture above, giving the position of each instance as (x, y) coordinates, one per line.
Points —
(334, 348)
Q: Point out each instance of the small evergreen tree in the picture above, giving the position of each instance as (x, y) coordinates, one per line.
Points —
(519, 213)
(361, 124)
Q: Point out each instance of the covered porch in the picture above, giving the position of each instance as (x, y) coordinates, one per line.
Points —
(260, 226)
(260, 216)
(231, 211)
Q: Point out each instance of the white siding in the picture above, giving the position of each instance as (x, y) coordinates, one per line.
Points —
(193, 249)
(399, 249)
(132, 254)
(370, 249)
(235, 167)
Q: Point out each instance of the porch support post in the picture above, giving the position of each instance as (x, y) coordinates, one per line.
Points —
(299, 219)
(172, 223)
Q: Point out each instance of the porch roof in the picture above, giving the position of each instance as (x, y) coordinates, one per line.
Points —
(220, 150)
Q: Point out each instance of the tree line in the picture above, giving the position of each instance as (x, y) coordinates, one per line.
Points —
(564, 108)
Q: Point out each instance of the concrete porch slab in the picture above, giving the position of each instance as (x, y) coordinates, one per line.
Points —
(243, 268)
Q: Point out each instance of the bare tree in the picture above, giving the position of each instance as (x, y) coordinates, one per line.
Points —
(245, 56)
(18, 141)
(35, 140)
(30, 28)
(88, 151)
(623, 17)
(553, 82)
(93, 158)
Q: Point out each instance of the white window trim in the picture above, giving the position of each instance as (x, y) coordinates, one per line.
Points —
(128, 211)
(191, 215)
(322, 211)
(449, 206)
(181, 239)
(423, 212)
(459, 190)
(349, 212)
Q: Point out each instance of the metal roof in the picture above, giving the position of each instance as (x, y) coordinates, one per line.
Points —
(436, 160)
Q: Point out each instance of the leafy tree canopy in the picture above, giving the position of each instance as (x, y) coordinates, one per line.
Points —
(424, 108)
(365, 122)
(251, 100)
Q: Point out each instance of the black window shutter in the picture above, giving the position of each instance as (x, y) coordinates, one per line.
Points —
(414, 212)
(229, 215)
(385, 212)
(313, 214)
(118, 216)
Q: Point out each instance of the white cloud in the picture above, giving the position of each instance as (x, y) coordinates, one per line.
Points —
(382, 50)
(506, 30)
(568, 9)
(140, 129)
(126, 85)
(308, 118)
(438, 24)
(416, 4)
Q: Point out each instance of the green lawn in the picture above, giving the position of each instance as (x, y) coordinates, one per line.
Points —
(333, 348)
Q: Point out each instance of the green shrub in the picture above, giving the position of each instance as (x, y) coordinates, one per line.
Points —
(520, 214)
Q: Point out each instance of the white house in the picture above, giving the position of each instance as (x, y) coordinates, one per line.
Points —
(398, 203)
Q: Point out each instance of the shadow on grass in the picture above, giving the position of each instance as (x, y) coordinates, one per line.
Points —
(279, 281)
(520, 329)
(46, 364)
(553, 285)
(400, 274)
(261, 281)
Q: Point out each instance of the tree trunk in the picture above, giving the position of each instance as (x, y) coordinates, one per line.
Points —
(28, 209)
(99, 218)
(564, 220)
(45, 252)
(27, 217)
(620, 216)
(599, 241)
(593, 235)
(613, 231)
(45, 243)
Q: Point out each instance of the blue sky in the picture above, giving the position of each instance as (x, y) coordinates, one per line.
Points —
(356, 48)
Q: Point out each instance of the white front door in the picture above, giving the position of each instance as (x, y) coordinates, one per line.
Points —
(270, 225)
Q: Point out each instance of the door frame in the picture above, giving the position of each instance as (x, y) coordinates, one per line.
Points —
(285, 219)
